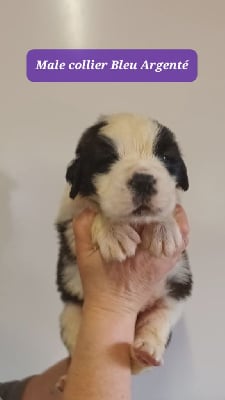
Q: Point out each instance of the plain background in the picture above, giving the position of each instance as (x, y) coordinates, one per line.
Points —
(40, 125)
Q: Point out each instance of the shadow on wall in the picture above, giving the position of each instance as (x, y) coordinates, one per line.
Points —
(175, 377)
(7, 185)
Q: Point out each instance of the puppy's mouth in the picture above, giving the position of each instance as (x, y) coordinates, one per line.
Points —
(142, 210)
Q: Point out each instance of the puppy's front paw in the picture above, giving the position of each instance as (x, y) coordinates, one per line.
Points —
(147, 352)
(162, 238)
(116, 242)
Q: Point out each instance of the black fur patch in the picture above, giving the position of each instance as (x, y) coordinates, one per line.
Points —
(66, 297)
(169, 339)
(178, 289)
(65, 251)
(167, 149)
(65, 257)
(94, 155)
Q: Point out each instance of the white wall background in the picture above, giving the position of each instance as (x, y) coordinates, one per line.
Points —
(40, 124)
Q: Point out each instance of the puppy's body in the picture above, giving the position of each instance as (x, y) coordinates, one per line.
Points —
(130, 170)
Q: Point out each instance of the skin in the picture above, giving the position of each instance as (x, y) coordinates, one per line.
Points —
(114, 294)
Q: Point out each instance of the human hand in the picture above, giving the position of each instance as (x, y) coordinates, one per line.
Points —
(121, 287)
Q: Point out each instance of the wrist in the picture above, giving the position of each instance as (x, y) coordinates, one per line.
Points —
(116, 319)
(111, 307)
(101, 366)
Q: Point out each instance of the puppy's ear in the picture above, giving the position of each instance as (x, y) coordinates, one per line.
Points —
(73, 177)
(182, 176)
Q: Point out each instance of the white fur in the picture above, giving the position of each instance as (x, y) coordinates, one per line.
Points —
(133, 134)
(70, 208)
(70, 319)
(72, 281)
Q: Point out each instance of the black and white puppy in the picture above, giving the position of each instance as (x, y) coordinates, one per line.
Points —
(130, 169)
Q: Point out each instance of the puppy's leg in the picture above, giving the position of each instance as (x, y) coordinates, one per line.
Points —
(116, 241)
(70, 320)
(162, 238)
(153, 332)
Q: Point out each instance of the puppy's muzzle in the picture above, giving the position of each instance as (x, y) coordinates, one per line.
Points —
(143, 185)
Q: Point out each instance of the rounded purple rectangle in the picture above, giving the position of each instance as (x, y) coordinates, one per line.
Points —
(111, 65)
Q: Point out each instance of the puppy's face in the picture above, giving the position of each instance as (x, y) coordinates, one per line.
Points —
(131, 166)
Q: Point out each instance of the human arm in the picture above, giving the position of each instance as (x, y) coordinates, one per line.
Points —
(114, 294)
(42, 386)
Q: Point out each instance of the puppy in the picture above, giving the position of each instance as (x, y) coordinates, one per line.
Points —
(130, 170)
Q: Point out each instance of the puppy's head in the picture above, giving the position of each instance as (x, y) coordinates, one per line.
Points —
(131, 166)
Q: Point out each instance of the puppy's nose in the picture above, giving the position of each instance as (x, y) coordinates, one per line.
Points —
(143, 184)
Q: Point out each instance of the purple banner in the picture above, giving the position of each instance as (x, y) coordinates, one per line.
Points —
(142, 65)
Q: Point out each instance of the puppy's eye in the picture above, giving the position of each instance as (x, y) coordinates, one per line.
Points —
(168, 158)
(104, 159)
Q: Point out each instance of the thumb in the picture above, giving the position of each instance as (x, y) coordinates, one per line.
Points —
(82, 230)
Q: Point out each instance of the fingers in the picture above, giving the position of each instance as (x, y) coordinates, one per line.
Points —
(82, 230)
(182, 221)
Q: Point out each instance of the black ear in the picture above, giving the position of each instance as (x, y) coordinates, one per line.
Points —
(182, 176)
(73, 176)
